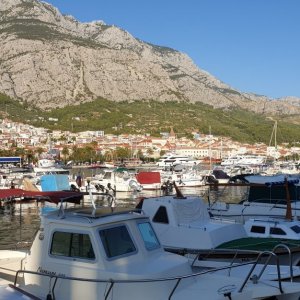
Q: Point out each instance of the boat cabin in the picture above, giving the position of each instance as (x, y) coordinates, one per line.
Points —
(96, 243)
(272, 228)
(186, 223)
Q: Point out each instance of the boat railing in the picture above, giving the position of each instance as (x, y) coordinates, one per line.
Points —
(235, 252)
(290, 260)
(199, 255)
(224, 219)
(111, 200)
(93, 212)
(270, 255)
(177, 279)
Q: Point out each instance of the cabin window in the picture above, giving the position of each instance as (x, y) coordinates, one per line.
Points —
(277, 231)
(72, 245)
(150, 240)
(116, 241)
(296, 228)
(107, 175)
(258, 229)
(161, 215)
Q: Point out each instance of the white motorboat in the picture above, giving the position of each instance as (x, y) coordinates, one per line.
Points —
(149, 180)
(48, 166)
(184, 223)
(120, 179)
(184, 226)
(173, 159)
(244, 160)
(241, 212)
(265, 200)
(92, 254)
(184, 179)
(273, 228)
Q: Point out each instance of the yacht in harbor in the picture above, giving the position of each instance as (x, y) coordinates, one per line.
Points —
(244, 160)
(173, 159)
(49, 166)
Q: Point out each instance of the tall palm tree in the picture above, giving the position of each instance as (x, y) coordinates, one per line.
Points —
(39, 151)
(65, 152)
(30, 157)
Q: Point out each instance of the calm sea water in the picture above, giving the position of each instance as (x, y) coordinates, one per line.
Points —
(19, 223)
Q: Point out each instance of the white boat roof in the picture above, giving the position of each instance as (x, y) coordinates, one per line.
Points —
(276, 221)
(90, 217)
(186, 210)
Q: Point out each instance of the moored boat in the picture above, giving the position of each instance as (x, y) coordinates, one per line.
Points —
(96, 254)
(185, 226)
(119, 178)
(267, 199)
(149, 180)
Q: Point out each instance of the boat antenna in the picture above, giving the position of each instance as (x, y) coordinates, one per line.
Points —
(179, 194)
(286, 183)
(208, 198)
(210, 140)
(288, 214)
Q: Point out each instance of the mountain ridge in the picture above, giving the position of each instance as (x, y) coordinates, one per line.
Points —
(50, 60)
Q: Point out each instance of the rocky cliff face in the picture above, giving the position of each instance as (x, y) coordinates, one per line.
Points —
(51, 60)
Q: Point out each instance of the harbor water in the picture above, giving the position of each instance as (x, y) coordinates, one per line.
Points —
(19, 222)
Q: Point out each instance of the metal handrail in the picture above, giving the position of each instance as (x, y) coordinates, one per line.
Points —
(232, 262)
(254, 265)
(216, 251)
(290, 260)
(92, 215)
(255, 262)
(178, 279)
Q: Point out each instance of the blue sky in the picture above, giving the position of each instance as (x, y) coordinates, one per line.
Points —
(251, 45)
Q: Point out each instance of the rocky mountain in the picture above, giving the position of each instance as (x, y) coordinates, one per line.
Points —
(50, 60)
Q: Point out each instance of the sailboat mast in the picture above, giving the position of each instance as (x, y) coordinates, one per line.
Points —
(209, 147)
(274, 133)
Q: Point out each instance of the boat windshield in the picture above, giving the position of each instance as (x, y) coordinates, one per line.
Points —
(150, 240)
(117, 241)
(296, 228)
(107, 175)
